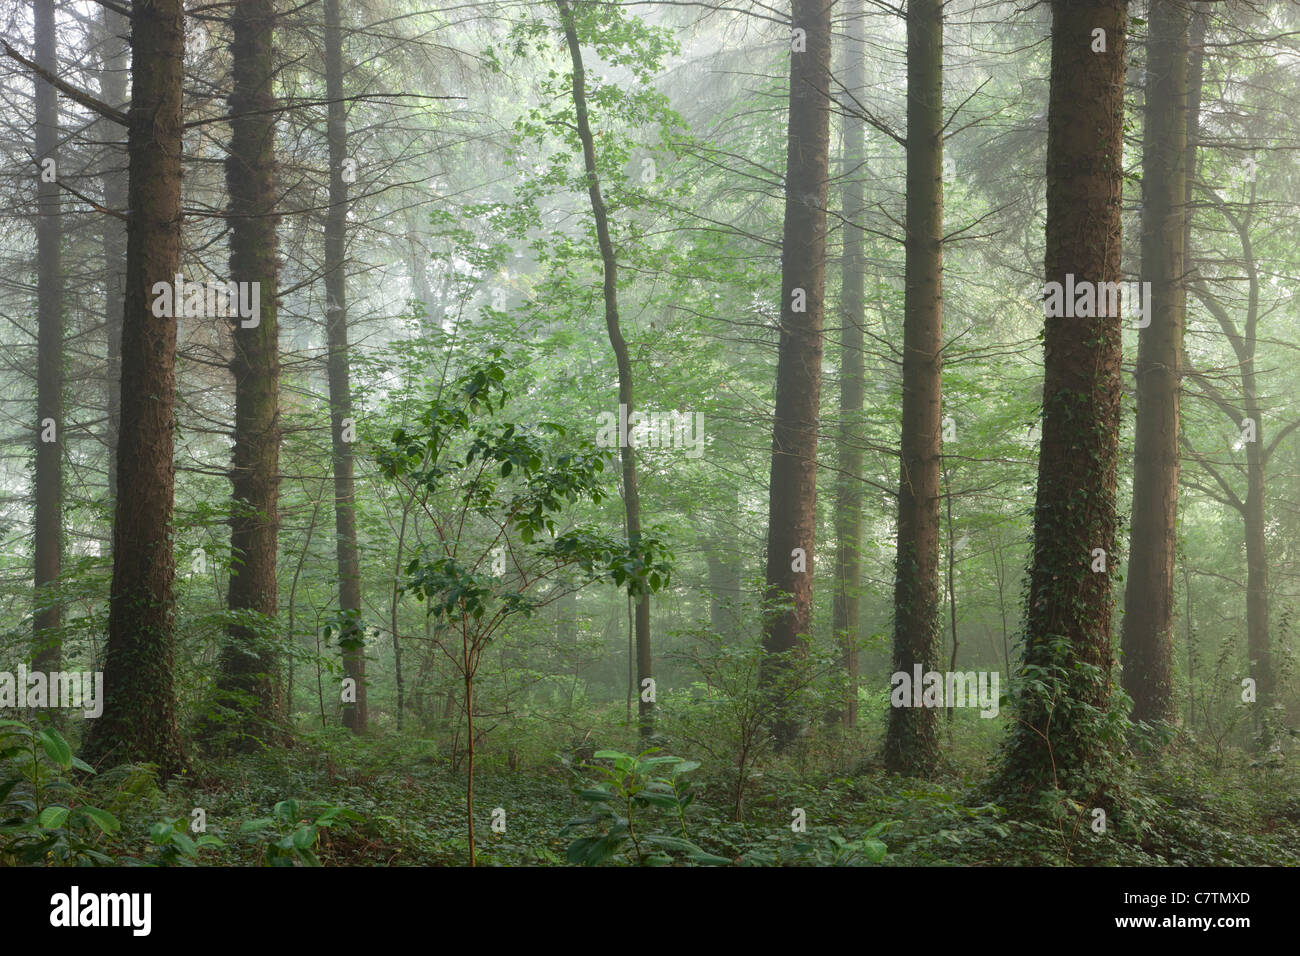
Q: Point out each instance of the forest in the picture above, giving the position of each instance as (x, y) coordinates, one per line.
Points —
(588, 433)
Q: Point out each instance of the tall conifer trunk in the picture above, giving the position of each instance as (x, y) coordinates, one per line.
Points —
(249, 670)
(1057, 742)
(792, 492)
(139, 718)
(352, 638)
(1148, 625)
(848, 487)
(47, 651)
(912, 740)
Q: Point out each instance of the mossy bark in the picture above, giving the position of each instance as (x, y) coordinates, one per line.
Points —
(1057, 741)
(139, 718)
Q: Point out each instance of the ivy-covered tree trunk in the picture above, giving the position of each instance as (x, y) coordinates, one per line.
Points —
(792, 492)
(351, 637)
(139, 718)
(1056, 742)
(249, 680)
(631, 492)
(47, 650)
(1147, 641)
(912, 740)
(848, 485)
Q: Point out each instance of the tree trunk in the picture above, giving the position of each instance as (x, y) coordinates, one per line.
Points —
(848, 487)
(1056, 741)
(113, 91)
(1147, 641)
(631, 494)
(397, 593)
(249, 670)
(912, 740)
(1257, 638)
(952, 582)
(47, 650)
(792, 492)
(139, 719)
(352, 637)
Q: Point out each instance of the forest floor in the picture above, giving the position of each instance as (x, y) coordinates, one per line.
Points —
(1197, 810)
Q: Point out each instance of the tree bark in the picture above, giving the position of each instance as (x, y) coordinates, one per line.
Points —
(113, 91)
(631, 494)
(912, 740)
(792, 492)
(139, 718)
(1056, 742)
(1258, 645)
(47, 650)
(250, 678)
(352, 637)
(845, 605)
(1148, 627)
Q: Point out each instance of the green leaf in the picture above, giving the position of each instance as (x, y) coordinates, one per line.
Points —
(874, 850)
(666, 801)
(183, 841)
(670, 842)
(592, 851)
(102, 819)
(56, 748)
(304, 837)
(51, 818)
(682, 845)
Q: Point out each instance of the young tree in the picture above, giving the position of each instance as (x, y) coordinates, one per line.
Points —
(479, 479)
(631, 492)
(792, 492)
